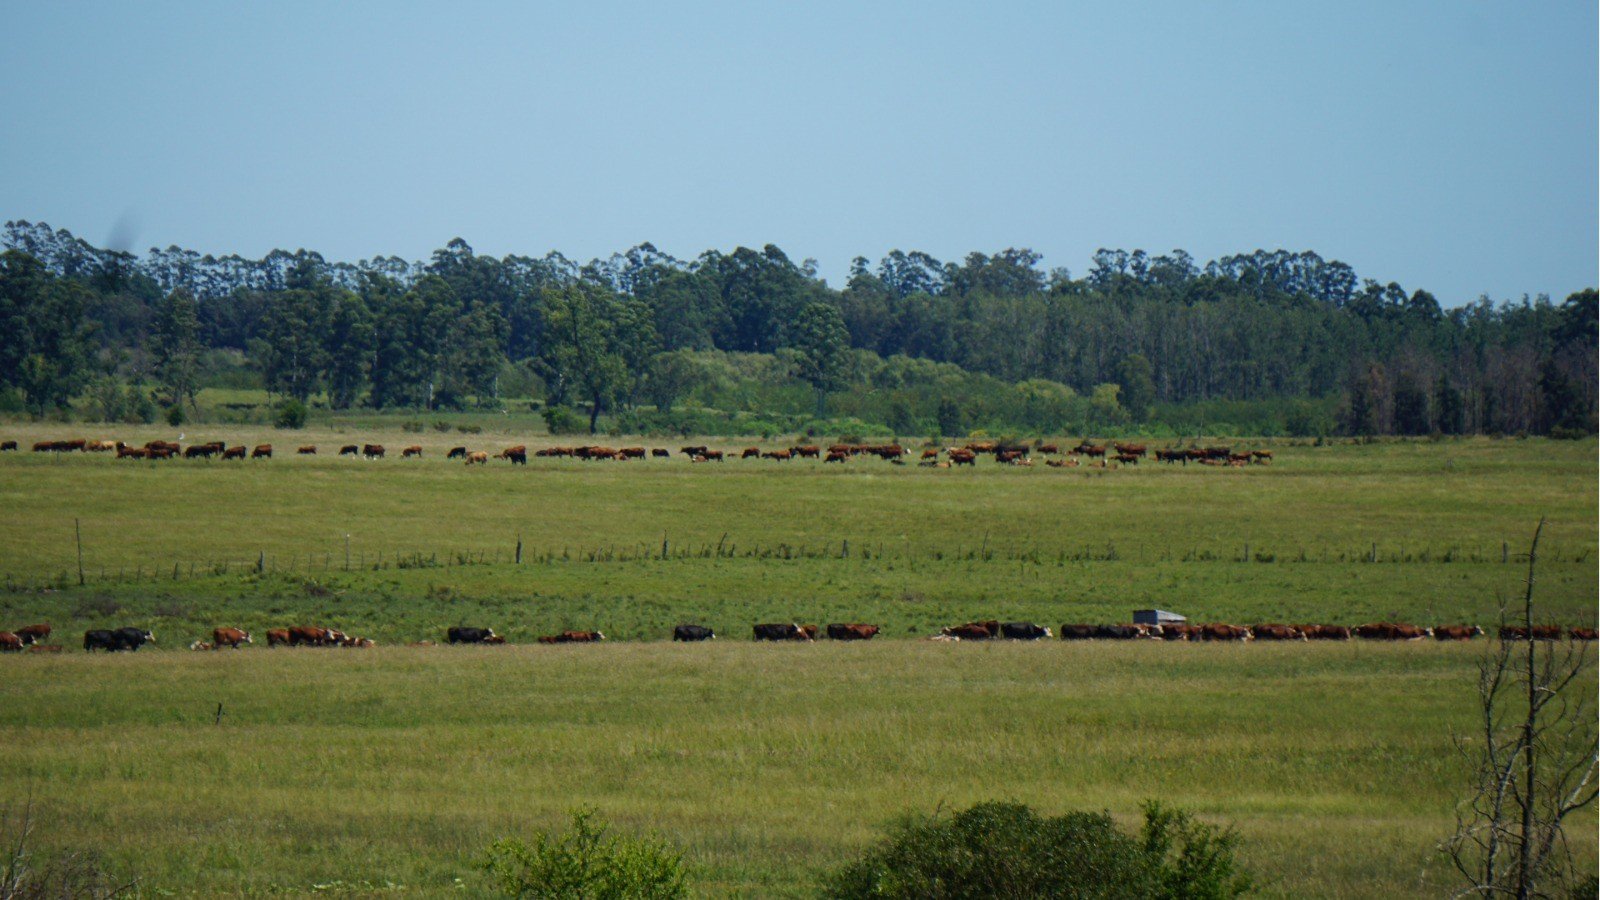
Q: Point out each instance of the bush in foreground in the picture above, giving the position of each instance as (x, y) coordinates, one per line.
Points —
(1007, 850)
(585, 863)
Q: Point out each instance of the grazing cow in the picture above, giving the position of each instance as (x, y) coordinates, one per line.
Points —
(1120, 632)
(312, 635)
(573, 637)
(7, 445)
(202, 645)
(974, 631)
(478, 457)
(1070, 632)
(413, 450)
(1582, 634)
(234, 452)
(277, 636)
(787, 631)
(1456, 632)
(931, 453)
(1048, 449)
(10, 643)
(1130, 449)
(712, 455)
(779, 454)
(750, 452)
(1540, 632)
(120, 639)
(45, 648)
(1088, 449)
(693, 451)
(852, 632)
(1127, 459)
(103, 446)
(518, 455)
(1024, 631)
(808, 451)
(962, 456)
(1325, 632)
(372, 451)
(33, 634)
(660, 453)
(1276, 633)
(1221, 632)
(205, 451)
(1010, 456)
(836, 456)
(231, 637)
(462, 634)
(1391, 631)
(349, 450)
(262, 451)
(456, 453)
(1261, 456)
(693, 633)
(307, 450)
(632, 452)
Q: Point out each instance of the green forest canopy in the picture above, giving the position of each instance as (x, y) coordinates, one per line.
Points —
(910, 344)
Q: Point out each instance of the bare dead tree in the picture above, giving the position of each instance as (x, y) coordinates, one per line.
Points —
(1534, 761)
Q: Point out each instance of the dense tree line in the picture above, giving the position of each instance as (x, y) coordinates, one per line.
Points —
(1137, 336)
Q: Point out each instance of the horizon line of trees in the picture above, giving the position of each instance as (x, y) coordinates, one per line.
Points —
(1139, 332)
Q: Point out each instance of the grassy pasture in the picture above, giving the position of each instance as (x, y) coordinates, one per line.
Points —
(768, 762)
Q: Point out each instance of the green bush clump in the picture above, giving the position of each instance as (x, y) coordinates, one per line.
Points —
(585, 862)
(1002, 849)
(562, 420)
(291, 414)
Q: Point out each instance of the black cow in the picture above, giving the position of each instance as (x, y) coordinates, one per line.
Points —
(121, 639)
(1023, 631)
(693, 633)
(787, 631)
(460, 634)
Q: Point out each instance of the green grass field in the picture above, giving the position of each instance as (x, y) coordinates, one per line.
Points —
(767, 762)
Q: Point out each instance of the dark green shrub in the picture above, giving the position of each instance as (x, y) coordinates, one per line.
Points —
(562, 420)
(441, 427)
(585, 862)
(291, 414)
(1007, 850)
(174, 415)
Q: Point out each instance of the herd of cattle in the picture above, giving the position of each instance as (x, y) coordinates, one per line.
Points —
(1100, 455)
(33, 637)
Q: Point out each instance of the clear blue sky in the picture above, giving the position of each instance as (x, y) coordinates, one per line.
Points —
(1451, 146)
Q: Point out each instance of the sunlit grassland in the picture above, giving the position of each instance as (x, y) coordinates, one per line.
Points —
(766, 762)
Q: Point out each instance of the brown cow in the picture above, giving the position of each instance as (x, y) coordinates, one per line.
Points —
(750, 452)
(1583, 634)
(1390, 631)
(632, 453)
(1220, 632)
(1178, 631)
(931, 453)
(1456, 632)
(32, 634)
(478, 457)
(1068, 463)
(1048, 449)
(349, 450)
(277, 636)
(231, 637)
(308, 450)
(234, 452)
(372, 451)
(778, 454)
(963, 456)
(1540, 632)
(573, 637)
(413, 450)
(973, 631)
(45, 648)
(10, 643)
(1277, 633)
(852, 632)
(1325, 632)
(838, 456)
(713, 455)
(808, 451)
(262, 451)
(312, 635)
